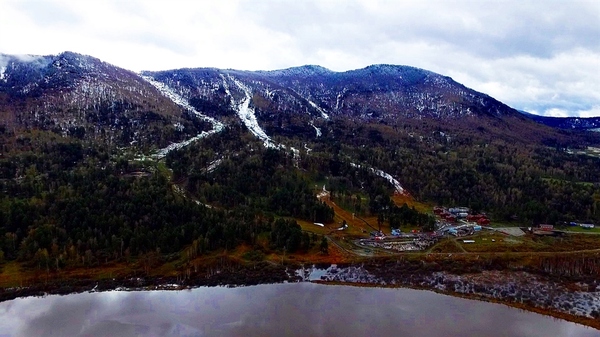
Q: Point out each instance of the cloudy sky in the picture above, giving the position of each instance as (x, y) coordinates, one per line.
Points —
(540, 56)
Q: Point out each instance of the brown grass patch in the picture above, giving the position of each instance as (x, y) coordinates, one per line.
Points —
(530, 243)
(400, 199)
(446, 246)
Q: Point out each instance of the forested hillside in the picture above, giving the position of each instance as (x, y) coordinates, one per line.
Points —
(69, 204)
(508, 179)
(202, 160)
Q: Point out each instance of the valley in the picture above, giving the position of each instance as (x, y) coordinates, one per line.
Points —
(212, 177)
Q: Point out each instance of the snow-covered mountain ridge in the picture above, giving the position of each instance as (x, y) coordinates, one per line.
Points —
(574, 123)
(80, 95)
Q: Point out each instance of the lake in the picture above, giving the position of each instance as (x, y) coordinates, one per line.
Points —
(295, 309)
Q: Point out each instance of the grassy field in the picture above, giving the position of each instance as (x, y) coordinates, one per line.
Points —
(400, 200)
(582, 230)
(310, 227)
(501, 224)
(499, 243)
(446, 246)
(14, 274)
(11, 275)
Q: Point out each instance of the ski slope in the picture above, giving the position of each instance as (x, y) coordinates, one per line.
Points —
(177, 99)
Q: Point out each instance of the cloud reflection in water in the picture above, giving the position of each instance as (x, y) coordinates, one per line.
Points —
(286, 309)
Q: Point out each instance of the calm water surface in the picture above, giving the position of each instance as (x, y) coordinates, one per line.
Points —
(300, 309)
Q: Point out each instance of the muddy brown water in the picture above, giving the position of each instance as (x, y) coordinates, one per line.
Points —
(297, 309)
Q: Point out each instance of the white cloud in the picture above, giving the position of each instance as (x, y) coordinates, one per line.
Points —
(527, 54)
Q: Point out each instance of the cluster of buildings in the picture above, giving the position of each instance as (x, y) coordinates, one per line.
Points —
(454, 214)
(461, 230)
(458, 221)
(455, 221)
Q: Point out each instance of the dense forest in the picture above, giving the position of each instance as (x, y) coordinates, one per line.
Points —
(70, 202)
(509, 180)
(228, 171)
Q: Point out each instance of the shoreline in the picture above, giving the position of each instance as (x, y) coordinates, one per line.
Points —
(585, 321)
(267, 273)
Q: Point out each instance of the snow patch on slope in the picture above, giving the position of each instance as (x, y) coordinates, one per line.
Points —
(246, 113)
(323, 114)
(296, 156)
(226, 86)
(213, 165)
(248, 117)
(337, 102)
(2, 71)
(270, 93)
(397, 187)
(317, 130)
(177, 99)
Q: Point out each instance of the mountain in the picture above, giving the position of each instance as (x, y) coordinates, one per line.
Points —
(81, 96)
(573, 123)
(98, 163)
(293, 101)
(419, 132)
(378, 91)
(78, 95)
